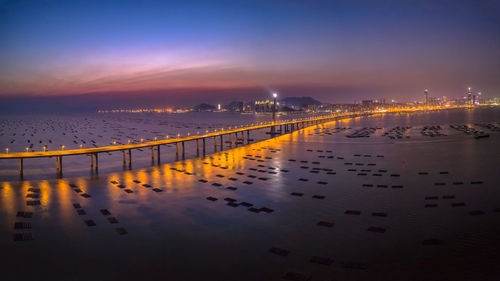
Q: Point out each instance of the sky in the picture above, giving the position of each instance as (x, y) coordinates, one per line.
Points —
(336, 51)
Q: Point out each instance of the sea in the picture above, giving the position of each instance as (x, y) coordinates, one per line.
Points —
(405, 196)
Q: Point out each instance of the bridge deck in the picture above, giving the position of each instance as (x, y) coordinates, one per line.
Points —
(17, 155)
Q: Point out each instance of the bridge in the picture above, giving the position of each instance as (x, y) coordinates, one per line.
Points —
(238, 133)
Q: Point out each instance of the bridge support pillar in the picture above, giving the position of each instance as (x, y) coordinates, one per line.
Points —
(221, 143)
(21, 169)
(197, 147)
(215, 143)
(248, 136)
(124, 158)
(92, 161)
(177, 151)
(203, 146)
(59, 166)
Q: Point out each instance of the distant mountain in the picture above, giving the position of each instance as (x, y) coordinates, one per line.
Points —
(204, 107)
(299, 102)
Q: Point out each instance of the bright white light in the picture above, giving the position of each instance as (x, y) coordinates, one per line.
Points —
(275, 95)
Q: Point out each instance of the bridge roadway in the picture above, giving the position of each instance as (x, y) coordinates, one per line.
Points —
(286, 126)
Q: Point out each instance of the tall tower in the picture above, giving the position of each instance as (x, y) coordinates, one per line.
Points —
(469, 96)
(426, 97)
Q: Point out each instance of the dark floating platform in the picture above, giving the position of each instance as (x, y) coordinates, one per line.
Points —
(477, 213)
(147, 185)
(112, 220)
(325, 224)
(266, 210)
(295, 276)
(460, 204)
(33, 195)
(431, 242)
(157, 190)
(253, 210)
(379, 214)
(246, 204)
(297, 194)
(121, 231)
(128, 190)
(352, 212)
(85, 195)
(376, 229)
(105, 212)
(321, 260)
(23, 214)
(81, 212)
(76, 206)
(33, 203)
(22, 237)
(279, 251)
(210, 198)
(318, 197)
(90, 223)
(22, 225)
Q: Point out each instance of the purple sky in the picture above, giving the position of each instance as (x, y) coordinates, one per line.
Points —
(336, 51)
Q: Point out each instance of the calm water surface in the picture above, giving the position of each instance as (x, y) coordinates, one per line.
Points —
(311, 205)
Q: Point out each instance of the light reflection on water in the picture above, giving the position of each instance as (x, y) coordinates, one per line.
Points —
(180, 226)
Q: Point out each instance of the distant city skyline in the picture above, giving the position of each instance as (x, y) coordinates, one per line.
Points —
(335, 51)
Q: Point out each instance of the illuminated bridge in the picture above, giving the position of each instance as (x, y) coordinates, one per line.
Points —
(236, 136)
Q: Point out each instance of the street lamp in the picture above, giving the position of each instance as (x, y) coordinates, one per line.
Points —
(275, 95)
